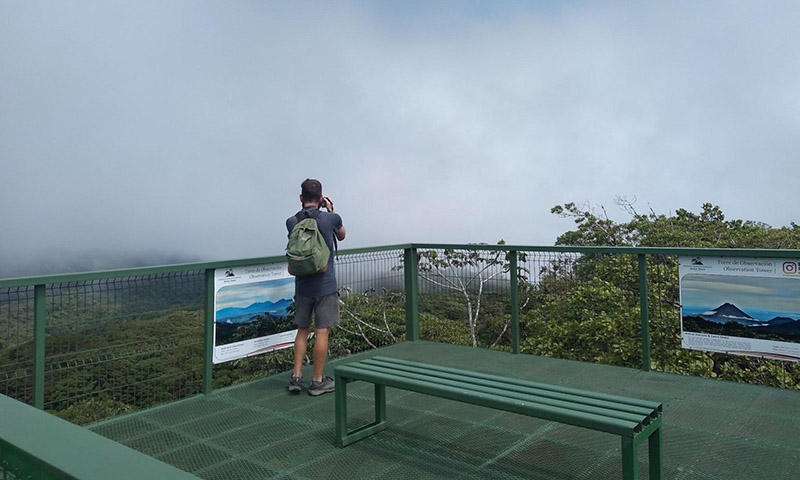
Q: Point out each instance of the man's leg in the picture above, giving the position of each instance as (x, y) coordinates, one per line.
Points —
(320, 352)
(300, 346)
(326, 315)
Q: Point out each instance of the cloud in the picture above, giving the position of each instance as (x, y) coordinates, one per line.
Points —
(151, 131)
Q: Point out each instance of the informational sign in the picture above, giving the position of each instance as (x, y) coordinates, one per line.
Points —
(253, 311)
(740, 305)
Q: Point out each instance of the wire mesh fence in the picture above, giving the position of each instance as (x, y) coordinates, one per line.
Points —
(16, 343)
(372, 301)
(120, 344)
(465, 296)
(581, 307)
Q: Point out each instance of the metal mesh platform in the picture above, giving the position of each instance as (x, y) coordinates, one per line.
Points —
(712, 429)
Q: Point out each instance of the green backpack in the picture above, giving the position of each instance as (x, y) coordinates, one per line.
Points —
(307, 252)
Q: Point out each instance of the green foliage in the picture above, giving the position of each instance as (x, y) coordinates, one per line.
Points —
(368, 320)
(438, 329)
(95, 370)
(92, 410)
(592, 322)
(708, 229)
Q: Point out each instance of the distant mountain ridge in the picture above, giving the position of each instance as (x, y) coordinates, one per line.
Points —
(727, 312)
(276, 309)
(781, 320)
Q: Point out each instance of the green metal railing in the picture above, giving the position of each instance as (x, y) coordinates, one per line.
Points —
(56, 328)
(114, 340)
(35, 445)
(526, 265)
(93, 345)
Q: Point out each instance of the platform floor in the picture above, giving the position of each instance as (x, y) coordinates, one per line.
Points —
(712, 429)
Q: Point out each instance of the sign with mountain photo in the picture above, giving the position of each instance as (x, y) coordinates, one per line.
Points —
(742, 306)
(253, 311)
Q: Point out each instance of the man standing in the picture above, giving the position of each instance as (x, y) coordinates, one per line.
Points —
(315, 293)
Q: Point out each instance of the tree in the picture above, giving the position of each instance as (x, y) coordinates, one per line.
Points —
(468, 273)
(371, 318)
(590, 276)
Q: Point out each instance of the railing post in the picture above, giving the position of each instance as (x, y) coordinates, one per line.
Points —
(643, 312)
(208, 338)
(411, 271)
(512, 269)
(39, 305)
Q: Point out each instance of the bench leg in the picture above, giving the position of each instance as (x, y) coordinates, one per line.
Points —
(656, 455)
(630, 467)
(340, 395)
(345, 437)
(380, 403)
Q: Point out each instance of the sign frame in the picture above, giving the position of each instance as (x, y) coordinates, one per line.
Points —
(740, 305)
(248, 300)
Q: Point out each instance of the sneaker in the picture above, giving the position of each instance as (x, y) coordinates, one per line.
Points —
(295, 384)
(326, 385)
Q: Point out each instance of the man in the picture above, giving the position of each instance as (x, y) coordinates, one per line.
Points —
(316, 293)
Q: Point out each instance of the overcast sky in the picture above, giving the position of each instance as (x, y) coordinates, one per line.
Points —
(155, 130)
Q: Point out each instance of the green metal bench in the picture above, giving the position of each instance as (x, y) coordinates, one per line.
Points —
(633, 420)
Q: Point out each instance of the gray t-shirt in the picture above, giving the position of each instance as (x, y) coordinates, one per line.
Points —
(324, 283)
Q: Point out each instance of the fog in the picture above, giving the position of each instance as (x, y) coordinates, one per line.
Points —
(151, 132)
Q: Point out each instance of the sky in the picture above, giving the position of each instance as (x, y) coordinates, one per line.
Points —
(752, 294)
(151, 132)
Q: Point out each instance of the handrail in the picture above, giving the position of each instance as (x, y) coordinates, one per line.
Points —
(35, 444)
(726, 252)
(155, 270)
(183, 267)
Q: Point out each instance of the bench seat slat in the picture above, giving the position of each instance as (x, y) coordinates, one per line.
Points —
(529, 396)
(466, 378)
(570, 417)
(543, 386)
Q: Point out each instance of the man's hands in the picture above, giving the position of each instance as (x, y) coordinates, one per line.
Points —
(327, 203)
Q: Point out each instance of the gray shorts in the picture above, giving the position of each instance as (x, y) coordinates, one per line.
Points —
(326, 310)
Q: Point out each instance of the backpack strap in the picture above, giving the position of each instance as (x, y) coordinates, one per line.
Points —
(303, 214)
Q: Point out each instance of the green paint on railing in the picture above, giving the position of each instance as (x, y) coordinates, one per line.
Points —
(35, 444)
(410, 266)
(512, 270)
(208, 332)
(39, 321)
(181, 267)
(643, 312)
(711, 252)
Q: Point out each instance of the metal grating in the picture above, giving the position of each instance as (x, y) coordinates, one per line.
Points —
(713, 429)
